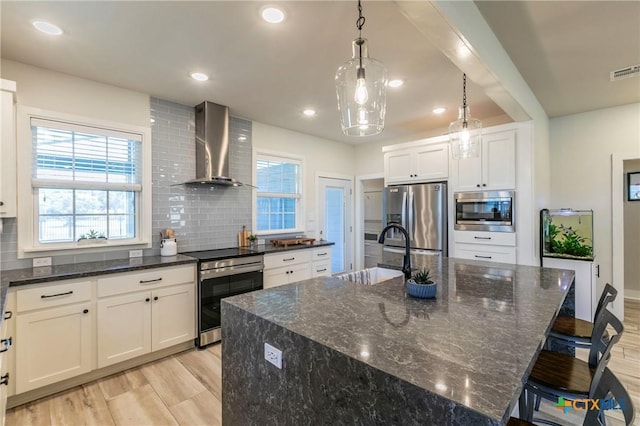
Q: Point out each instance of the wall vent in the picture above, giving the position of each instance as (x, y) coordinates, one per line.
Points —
(628, 72)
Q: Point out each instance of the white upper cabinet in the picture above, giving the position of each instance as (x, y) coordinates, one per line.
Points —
(423, 163)
(494, 169)
(7, 149)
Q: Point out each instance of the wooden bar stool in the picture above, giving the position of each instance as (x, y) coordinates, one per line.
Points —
(557, 375)
(576, 332)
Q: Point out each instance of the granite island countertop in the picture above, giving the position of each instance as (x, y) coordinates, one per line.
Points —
(370, 354)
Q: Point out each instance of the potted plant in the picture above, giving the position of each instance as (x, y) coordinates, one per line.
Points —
(92, 237)
(421, 285)
(253, 240)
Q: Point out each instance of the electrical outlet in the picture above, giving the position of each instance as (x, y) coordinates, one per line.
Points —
(273, 355)
(135, 253)
(41, 261)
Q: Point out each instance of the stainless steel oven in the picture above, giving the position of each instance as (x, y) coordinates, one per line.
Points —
(223, 273)
(485, 211)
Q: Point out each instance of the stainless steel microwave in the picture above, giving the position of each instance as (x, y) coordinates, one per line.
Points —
(492, 211)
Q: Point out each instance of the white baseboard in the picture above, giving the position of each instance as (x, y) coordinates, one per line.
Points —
(631, 294)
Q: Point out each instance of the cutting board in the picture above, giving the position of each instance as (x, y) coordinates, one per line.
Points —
(243, 237)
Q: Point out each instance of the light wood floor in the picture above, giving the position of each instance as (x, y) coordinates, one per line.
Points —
(185, 389)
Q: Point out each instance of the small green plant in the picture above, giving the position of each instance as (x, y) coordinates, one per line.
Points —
(564, 240)
(423, 277)
(92, 235)
(252, 238)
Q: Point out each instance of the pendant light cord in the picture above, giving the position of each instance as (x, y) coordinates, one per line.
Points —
(464, 100)
(359, 25)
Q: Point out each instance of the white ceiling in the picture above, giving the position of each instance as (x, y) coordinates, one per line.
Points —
(270, 73)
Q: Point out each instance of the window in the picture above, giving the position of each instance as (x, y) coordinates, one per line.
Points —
(279, 193)
(88, 180)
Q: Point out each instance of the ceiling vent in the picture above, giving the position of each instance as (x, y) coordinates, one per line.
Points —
(625, 73)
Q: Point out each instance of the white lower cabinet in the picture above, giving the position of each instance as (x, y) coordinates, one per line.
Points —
(53, 344)
(296, 265)
(141, 321)
(7, 351)
(66, 328)
(487, 246)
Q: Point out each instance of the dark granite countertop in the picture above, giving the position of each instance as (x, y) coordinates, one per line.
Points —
(269, 248)
(473, 345)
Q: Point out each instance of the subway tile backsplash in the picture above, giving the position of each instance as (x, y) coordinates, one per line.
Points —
(203, 218)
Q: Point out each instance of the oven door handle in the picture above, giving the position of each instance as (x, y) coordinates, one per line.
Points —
(231, 270)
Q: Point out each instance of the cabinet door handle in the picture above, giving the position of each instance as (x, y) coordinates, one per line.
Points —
(483, 257)
(6, 343)
(8, 315)
(150, 281)
(484, 184)
(288, 260)
(155, 298)
(482, 238)
(147, 300)
(478, 185)
(46, 296)
(1, 203)
(85, 311)
(4, 379)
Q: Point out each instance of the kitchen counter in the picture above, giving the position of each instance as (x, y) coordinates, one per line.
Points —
(356, 354)
(269, 248)
(25, 276)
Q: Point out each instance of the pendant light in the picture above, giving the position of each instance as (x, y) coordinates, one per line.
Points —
(465, 133)
(361, 86)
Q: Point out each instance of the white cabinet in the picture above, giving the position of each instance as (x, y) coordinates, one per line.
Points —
(494, 169)
(422, 163)
(487, 246)
(7, 359)
(54, 333)
(585, 284)
(7, 149)
(144, 312)
(296, 265)
(321, 262)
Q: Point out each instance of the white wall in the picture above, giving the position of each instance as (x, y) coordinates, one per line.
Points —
(54, 91)
(631, 239)
(321, 156)
(581, 149)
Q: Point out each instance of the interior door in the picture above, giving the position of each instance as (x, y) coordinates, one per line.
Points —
(335, 212)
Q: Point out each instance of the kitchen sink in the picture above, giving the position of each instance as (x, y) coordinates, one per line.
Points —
(369, 276)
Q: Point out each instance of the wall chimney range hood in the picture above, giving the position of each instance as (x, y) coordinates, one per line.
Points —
(212, 146)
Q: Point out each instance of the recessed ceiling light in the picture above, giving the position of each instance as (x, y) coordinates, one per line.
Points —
(309, 112)
(272, 15)
(439, 110)
(395, 83)
(199, 76)
(47, 27)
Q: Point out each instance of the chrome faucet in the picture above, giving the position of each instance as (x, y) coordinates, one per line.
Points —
(406, 264)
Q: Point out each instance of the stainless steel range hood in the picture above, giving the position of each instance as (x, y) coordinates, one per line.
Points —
(212, 146)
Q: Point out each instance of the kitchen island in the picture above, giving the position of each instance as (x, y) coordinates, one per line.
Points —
(358, 354)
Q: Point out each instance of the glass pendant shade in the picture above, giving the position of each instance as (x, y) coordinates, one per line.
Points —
(361, 86)
(465, 135)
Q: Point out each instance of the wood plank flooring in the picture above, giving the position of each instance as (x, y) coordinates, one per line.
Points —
(186, 389)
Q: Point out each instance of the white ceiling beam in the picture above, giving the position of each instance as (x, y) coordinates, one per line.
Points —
(458, 29)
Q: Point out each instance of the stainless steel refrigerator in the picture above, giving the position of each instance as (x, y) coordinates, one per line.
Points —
(422, 210)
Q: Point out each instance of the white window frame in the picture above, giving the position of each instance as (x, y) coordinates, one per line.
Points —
(300, 204)
(27, 221)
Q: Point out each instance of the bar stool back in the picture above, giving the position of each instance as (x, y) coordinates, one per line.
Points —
(610, 387)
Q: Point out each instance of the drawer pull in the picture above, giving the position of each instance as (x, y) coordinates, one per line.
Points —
(322, 254)
(46, 296)
(8, 315)
(483, 257)
(288, 260)
(150, 281)
(482, 238)
(4, 379)
(6, 343)
(321, 270)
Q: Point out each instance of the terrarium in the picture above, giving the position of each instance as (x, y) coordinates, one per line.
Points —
(567, 233)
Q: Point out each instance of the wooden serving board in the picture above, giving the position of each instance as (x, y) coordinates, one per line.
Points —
(292, 242)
